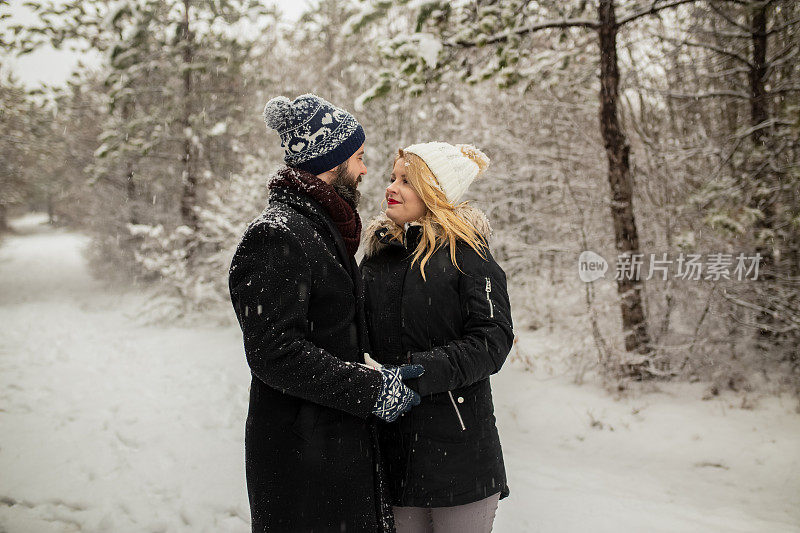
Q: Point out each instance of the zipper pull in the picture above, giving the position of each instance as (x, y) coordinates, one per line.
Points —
(458, 413)
(488, 296)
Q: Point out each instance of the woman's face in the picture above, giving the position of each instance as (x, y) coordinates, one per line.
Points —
(403, 202)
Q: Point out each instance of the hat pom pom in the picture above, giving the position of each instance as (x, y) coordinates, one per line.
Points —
(475, 155)
(277, 112)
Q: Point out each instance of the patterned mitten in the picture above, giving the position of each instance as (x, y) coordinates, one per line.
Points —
(395, 398)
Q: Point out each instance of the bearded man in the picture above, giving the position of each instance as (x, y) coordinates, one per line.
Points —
(311, 455)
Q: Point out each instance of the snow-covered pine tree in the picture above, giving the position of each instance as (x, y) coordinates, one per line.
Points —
(177, 111)
(20, 119)
(730, 72)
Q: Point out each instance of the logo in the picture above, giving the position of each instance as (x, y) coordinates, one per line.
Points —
(591, 266)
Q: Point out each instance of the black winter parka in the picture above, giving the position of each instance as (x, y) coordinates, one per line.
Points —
(457, 324)
(310, 442)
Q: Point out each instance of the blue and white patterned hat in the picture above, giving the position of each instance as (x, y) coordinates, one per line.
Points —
(315, 135)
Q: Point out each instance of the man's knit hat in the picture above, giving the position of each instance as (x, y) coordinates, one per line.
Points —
(315, 135)
(455, 167)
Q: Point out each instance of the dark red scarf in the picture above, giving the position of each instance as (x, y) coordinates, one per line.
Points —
(342, 213)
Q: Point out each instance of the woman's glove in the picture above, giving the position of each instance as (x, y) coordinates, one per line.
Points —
(395, 398)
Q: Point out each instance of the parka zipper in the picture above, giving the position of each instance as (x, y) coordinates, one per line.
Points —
(458, 413)
(488, 297)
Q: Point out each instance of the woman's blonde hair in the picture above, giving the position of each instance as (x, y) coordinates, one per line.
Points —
(440, 223)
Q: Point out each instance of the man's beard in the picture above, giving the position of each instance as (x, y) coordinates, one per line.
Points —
(346, 185)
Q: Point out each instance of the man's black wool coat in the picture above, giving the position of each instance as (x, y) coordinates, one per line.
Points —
(310, 460)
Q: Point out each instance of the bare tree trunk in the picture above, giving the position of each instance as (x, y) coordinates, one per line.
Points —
(634, 321)
(758, 101)
(130, 194)
(3, 218)
(759, 114)
(189, 194)
(763, 198)
(51, 212)
(130, 183)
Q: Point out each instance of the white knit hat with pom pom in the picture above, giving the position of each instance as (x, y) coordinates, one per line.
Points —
(455, 167)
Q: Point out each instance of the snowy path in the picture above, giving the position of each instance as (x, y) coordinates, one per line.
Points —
(109, 426)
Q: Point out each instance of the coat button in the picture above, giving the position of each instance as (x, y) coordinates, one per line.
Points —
(460, 399)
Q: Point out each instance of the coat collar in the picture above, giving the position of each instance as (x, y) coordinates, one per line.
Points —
(376, 234)
(300, 202)
(317, 214)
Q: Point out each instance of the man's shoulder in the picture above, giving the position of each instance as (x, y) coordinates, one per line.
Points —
(276, 226)
(278, 220)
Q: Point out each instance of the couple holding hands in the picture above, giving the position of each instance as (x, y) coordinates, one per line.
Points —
(370, 404)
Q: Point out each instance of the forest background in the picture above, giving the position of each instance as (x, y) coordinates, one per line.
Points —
(655, 130)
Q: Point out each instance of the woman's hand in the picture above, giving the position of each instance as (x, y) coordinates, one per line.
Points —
(372, 363)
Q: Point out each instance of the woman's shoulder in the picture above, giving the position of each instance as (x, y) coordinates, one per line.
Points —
(375, 235)
(476, 261)
(477, 219)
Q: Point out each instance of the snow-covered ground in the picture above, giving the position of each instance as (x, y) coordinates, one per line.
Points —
(108, 425)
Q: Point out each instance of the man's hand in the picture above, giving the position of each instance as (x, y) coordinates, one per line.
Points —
(395, 398)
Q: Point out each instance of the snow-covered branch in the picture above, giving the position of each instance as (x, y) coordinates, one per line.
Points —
(695, 96)
(651, 10)
(713, 48)
(524, 30)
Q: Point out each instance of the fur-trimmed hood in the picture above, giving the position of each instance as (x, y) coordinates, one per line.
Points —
(371, 241)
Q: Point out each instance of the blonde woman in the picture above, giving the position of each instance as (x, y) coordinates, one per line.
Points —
(435, 296)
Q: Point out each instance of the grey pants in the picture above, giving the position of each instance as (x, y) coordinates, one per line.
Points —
(476, 517)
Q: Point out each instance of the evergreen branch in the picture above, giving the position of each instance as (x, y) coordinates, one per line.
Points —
(727, 73)
(791, 322)
(781, 90)
(16, 141)
(729, 20)
(783, 26)
(787, 51)
(686, 96)
(711, 47)
(524, 30)
(650, 10)
(772, 65)
(722, 33)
